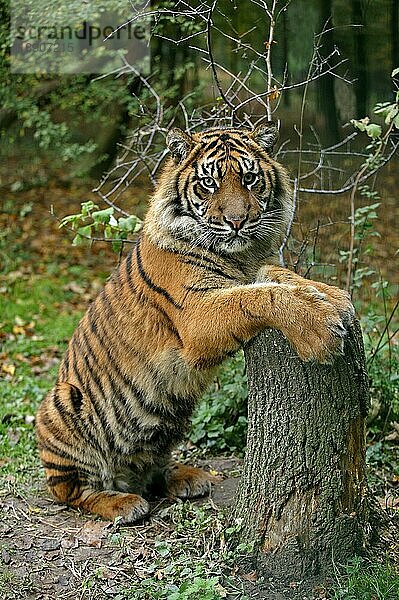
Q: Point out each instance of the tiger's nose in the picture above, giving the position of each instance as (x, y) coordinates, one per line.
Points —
(236, 222)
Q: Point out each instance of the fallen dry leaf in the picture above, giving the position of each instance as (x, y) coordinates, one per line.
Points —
(21, 358)
(74, 287)
(18, 329)
(392, 437)
(8, 368)
(93, 532)
(221, 590)
(252, 576)
(24, 328)
(34, 509)
(69, 542)
(13, 436)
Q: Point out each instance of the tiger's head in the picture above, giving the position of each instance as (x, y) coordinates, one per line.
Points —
(221, 190)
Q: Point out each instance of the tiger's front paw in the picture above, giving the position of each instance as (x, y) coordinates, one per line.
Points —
(316, 323)
(319, 314)
(188, 482)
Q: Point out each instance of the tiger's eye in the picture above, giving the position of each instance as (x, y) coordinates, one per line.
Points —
(208, 182)
(249, 178)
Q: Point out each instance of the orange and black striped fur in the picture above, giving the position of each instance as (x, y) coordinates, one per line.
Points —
(198, 284)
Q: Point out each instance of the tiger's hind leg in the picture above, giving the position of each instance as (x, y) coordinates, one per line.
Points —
(68, 487)
(65, 444)
(188, 482)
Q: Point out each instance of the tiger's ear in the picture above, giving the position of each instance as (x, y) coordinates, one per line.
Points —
(179, 144)
(266, 135)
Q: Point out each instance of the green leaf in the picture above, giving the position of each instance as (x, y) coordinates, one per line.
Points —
(102, 216)
(70, 219)
(373, 130)
(358, 124)
(117, 246)
(128, 223)
(391, 114)
(82, 235)
(88, 207)
(381, 107)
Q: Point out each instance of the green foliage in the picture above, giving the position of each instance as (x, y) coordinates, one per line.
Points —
(364, 230)
(198, 589)
(367, 581)
(384, 378)
(91, 221)
(191, 562)
(372, 129)
(220, 421)
(388, 110)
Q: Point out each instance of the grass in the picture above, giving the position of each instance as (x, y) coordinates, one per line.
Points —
(190, 559)
(367, 581)
(36, 324)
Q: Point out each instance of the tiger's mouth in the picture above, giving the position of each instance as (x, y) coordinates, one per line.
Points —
(229, 241)
(236, 243)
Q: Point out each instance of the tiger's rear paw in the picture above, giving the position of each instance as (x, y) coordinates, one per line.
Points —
(110, 505)
(188, 482)
(132, 511)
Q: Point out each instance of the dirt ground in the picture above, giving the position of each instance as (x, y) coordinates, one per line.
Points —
(52, 552)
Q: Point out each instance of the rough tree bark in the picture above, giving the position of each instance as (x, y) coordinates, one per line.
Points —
(303, 494)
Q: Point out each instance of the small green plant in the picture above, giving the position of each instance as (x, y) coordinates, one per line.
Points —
(367, 581)
(91, 221)
(361, 219)
(197, 589)
(364, 229)
(191, 562)
(220, 421)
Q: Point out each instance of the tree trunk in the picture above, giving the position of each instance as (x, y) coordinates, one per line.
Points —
(303, 493)
(325, 84)
(361, 84)
(395, 38)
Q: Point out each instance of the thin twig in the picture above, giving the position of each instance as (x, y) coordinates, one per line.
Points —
(387, 324)
(268, 58)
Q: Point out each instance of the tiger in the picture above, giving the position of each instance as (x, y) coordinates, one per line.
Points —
(202, 279)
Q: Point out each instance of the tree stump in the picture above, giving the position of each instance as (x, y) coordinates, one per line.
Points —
(303, 493)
